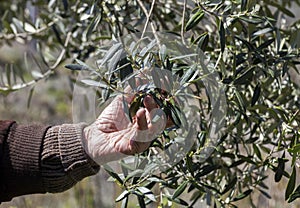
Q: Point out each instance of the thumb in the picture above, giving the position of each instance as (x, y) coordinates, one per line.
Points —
(158, 120)
(148, 131)
(141, 119)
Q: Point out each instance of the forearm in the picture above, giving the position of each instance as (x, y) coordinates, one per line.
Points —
(20, 160)
(63, 159)
(39, 159)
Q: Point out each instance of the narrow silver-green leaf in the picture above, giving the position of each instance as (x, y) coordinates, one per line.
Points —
(163, 52)
(222, 36)
(244, 5)
(240, 101)
(30, 97)
(112, 65)
(141, 201)
(242, 195)
(194, 20)
(110, 53)
(262, 32)
(256, 94)
(188, 74)
(280, 170)
(230, 185)
(184, 56)
(122, 195)
(112, 173)
(147, 193)
(180, 189)
(245, 77)
(149, 47)
(84, 65)
(75, 67)
(291, 184)
(144, 190)
(126, 109)
(203, 41)
(257, 151)
(295, 195)
(124, 202)
(94, 83)
(93, 25)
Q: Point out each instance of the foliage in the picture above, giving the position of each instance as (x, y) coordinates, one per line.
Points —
(252, 51)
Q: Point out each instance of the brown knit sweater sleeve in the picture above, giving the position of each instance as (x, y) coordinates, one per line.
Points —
(20, 160)
(39, 159)
(64, 161)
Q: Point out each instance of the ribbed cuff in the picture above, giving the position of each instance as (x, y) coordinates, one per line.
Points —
(64, 161)
(73, 157)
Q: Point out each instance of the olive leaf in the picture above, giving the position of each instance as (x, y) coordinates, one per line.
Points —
(256, 94)
(243, 195)
(194, 20)
(222, 35)
(291, 184)
(180, 189)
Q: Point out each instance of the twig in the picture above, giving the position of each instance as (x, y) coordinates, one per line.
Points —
(26, 34)
(45, 75)
(148, 15)
(182, 23)
(27, 84)
(148, 18)
(209, 12)
(155, 35)
(62, 53)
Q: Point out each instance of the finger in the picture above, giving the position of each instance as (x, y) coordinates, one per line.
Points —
(141, 119)
(157, 121)
(169, 123)
(149, 103)
(139, 79)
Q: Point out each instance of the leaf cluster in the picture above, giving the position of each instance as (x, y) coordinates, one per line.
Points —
(253, 53)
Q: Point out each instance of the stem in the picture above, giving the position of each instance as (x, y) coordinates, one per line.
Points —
(26, 34)
(182, 22)
(148, 15)
(27, 84)
(45, 75)
(62, 53)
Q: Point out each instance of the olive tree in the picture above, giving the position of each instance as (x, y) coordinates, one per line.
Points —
(248, 50)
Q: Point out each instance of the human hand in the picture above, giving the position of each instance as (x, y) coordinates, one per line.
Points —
(112, 136)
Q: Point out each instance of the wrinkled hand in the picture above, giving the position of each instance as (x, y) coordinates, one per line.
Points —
(112, 136)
